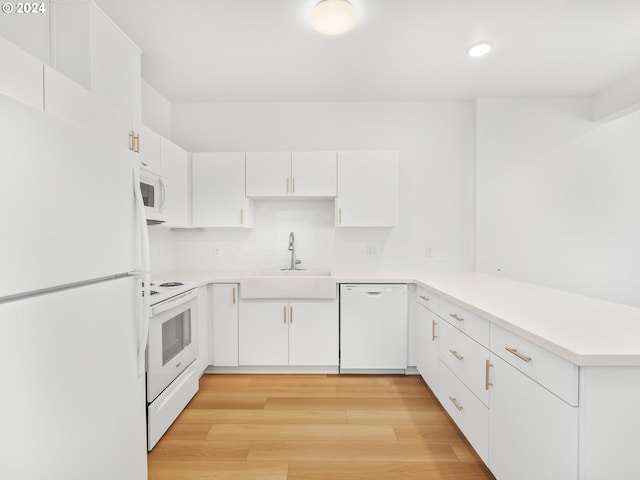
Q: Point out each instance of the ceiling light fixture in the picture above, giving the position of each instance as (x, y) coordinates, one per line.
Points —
(333, 17)
(479, 49)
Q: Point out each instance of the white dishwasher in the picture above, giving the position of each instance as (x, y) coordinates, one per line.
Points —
(373, 328)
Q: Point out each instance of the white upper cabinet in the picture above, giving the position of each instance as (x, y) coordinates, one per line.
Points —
(91, 50)
(314, 174)
(286, 174)
(66, 99)
(20, 75)
(269, 174)
(146, 143)
(175, 167)
(218, 190)
(367, 189)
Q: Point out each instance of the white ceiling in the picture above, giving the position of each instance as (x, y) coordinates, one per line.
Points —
(399, 50)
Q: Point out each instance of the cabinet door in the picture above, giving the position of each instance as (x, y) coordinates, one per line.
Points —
(367, 189)
(217, 184)
(264, 333)
(314, 174)
(225, 325)
(66, 99)
(175, 168)
(116, 68)
(428, 346)
(21, 77)
(313, 333)
(148, 147)
(269, 174)
(533, 434)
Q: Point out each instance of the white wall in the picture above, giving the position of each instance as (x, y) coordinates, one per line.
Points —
(156, 111)
(435, 141)
(558, 201)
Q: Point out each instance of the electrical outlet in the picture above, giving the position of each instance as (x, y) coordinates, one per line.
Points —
(429, 252)
(216, 252)
(372, 250)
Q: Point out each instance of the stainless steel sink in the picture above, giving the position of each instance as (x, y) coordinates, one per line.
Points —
(288, 284)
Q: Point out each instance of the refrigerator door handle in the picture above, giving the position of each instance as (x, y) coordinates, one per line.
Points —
(143, 269)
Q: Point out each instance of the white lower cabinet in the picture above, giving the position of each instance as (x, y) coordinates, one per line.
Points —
(224, 335)
(427, 327)
(533, 434)
(469, 413)
(288, 333)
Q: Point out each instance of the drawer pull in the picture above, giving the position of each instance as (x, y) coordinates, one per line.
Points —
(457, 317)
(433, 330)
(515, 352)
(425, 298)
(456, 404)
(487, 366)
(456, 354)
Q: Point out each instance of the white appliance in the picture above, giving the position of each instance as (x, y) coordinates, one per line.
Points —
(172, 348)
(373, 328)
(154, 196)
(73, 317)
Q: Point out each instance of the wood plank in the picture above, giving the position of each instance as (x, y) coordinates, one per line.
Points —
(175, 449)
(400, 417)
(387, 391)
(386, 471)
(217, 381)
(211, 470)
(188, 431)
(351, 451)
(273, 391)
(433, 432)
(304, 433)
(363, 403)
(207, 400)
(263, 416)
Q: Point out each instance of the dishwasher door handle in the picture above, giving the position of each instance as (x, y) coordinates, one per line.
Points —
(373, 294)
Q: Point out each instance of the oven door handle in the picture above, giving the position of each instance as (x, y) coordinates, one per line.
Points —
(142, 270)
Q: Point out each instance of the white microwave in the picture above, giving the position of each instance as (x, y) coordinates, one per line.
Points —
(154, 196)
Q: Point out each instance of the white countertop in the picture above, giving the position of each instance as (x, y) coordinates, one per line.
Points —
(584, 330)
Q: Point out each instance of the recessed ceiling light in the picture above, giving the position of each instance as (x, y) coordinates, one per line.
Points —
(333, 17)
(479, 49)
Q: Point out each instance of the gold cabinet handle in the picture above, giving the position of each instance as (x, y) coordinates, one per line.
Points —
(234, 296)
(457, 317)
(287, 184)
(433, 330)
(424, 297)
(456, 354)
(284, 314)
(456, 404)
(487, 366)
(290, 314)
(515, 352)
(293, 184)
(132, 142)
(340, 216)
(241, 216)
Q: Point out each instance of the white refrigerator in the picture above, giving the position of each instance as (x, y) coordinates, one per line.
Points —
(73, 260)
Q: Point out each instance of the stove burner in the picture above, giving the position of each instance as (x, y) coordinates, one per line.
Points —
(171, 284)
(153, 292)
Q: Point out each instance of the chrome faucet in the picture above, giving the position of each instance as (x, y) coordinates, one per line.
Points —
(292, 249)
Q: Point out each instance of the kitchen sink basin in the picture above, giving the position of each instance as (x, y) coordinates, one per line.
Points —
(288, 284)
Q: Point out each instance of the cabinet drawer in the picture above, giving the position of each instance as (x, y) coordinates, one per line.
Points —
(428, 299)
(556, 374)
(467, 359)
(473, 325)
(469, 413)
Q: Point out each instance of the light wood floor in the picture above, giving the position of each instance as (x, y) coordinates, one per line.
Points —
(314, 427)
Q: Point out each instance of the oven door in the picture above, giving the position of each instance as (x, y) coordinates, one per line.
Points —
(173, 341)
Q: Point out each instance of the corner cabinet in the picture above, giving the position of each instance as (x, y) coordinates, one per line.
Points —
(218, 190)
(289, 333)
(368, 189)
(291, 174)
